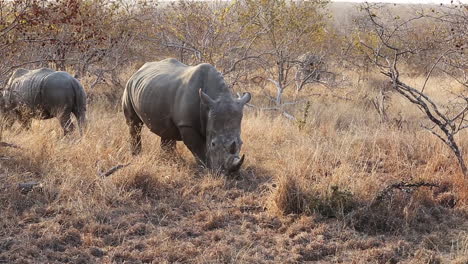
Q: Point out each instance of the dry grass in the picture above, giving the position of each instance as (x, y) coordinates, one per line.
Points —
(303, 195)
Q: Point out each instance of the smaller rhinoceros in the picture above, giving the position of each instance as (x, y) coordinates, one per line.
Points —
(43, 94)
(190, 104)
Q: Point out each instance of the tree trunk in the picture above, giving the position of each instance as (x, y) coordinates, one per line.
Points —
(279, 94)
(462, 165)
(459, 155)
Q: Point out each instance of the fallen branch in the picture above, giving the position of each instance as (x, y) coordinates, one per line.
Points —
(242, 208)
(288, 116)
(4, 144)
(112, 170)
(402, 186)
(284, 113)
(28, 186)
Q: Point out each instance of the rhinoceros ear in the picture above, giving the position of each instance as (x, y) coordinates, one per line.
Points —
(245, 98)
(206, 99)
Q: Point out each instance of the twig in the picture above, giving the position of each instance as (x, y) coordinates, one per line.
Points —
(242, 208)
(432, 69)
(288, 116)
(284, 113)
(4, 144)
(28, 186)
(113, 170)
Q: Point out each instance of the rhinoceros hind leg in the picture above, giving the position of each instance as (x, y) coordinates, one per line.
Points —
(168, 145)
(135, 125)
(81, 119)
(135, 138)
(66, 123)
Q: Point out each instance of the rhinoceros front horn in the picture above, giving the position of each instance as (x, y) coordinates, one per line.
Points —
(237, 163)
(245, 98)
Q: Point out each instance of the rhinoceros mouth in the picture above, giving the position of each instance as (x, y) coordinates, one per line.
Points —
(235, 163)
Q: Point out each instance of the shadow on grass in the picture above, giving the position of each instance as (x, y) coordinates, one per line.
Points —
(418, 208)
(250, 179)
(16, 169)
(419, 211)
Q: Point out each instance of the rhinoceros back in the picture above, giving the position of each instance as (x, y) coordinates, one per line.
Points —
(164, 95)
(45, 93)
(25, 85)
(158, 92)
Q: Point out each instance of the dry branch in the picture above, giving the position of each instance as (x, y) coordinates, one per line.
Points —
(112, 170)
(402, 186)
(283, 112)
(242, 208)
(28, 186)
(4, 144)
(5, 158)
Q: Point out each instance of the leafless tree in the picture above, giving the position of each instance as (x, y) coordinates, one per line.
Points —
(394, 46)
(311, 68)
(68, 35)
(284, 31)
(211, 32)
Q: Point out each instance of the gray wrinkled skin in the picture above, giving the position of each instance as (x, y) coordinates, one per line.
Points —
(43, 94)
(190, 104)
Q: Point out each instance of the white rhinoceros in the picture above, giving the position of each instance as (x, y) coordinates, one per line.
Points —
(190, 104)
(43, 94)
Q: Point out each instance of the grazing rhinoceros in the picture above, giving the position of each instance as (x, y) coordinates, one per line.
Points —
(188, 103)
(43, 94)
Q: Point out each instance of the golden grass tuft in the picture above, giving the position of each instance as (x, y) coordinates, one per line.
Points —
(296, 196)
(291, 197)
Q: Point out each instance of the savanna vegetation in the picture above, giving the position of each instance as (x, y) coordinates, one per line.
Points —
(355, 138)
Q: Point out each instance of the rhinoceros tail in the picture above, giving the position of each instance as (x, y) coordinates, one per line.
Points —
(79, 109)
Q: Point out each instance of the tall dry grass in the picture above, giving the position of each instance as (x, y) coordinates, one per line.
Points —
(305, 193)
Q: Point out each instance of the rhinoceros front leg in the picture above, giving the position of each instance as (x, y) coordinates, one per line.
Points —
(66, 122)
(195, 142)
(81, 119)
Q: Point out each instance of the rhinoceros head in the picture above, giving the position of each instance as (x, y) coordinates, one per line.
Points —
(223, 129)
(5, 104)
(2, 101)
(3, 110)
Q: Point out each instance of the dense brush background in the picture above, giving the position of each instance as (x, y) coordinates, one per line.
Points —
(315, 183)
